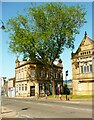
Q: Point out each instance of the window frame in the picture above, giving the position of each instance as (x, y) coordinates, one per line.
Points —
(86, 68)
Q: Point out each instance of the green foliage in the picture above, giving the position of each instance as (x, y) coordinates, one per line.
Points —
(74, 96)
(82, 96)
(44, 31)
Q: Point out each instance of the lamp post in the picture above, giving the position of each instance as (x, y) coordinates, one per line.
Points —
(66, 83)
(2, 27)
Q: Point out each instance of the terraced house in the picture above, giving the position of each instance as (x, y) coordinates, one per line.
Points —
(34, 79)
(83, 68)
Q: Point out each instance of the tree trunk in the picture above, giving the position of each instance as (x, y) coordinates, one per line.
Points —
(53, 89)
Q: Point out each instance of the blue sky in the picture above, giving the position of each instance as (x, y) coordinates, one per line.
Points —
(10, 9)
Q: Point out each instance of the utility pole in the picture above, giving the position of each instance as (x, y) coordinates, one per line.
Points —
(66, 83)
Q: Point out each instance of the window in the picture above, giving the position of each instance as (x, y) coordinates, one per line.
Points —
(19, 87)
(87, 68)
(25, 87)
(22, 87)
(22, 69)
(56, 74)
(81, 69)
(32, 73)
(40, 73)
(84, 69)
(90, 68)
(59, 75)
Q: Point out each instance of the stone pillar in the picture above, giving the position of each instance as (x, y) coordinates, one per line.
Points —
(28, 89)
(37, 89)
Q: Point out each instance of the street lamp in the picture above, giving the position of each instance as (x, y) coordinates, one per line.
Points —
(66, 83)
(2, 27)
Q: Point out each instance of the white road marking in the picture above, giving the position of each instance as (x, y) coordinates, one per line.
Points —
(79, 108)
(87, 109)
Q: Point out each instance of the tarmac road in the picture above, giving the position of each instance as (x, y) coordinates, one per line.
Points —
(32, 108)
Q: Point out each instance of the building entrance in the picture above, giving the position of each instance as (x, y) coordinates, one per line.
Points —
(32, 90)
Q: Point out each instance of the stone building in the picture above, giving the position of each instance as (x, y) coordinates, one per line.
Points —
(11, 82)
(11, 87)
(34, 79)
(83, 68)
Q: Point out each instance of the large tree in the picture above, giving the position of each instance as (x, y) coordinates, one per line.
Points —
(45, 30)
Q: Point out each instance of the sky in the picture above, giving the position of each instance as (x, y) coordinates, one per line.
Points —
(7, 60)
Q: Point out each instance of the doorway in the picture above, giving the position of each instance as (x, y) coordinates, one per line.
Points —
(32, 90)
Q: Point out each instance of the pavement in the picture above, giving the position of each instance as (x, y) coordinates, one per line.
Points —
(47, 99)
(8, 113)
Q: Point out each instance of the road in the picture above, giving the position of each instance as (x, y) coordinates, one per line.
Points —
(27, 108)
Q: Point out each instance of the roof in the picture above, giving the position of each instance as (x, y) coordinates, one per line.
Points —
(11, 78)
(90, 39)
(59, 65)
(85, 37)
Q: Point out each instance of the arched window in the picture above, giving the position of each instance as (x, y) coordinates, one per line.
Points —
(41, 73)
(90, 68)
(81, 69)
(86, 68)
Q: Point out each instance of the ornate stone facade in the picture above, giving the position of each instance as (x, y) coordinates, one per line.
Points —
(33, 79)
(83, 68)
